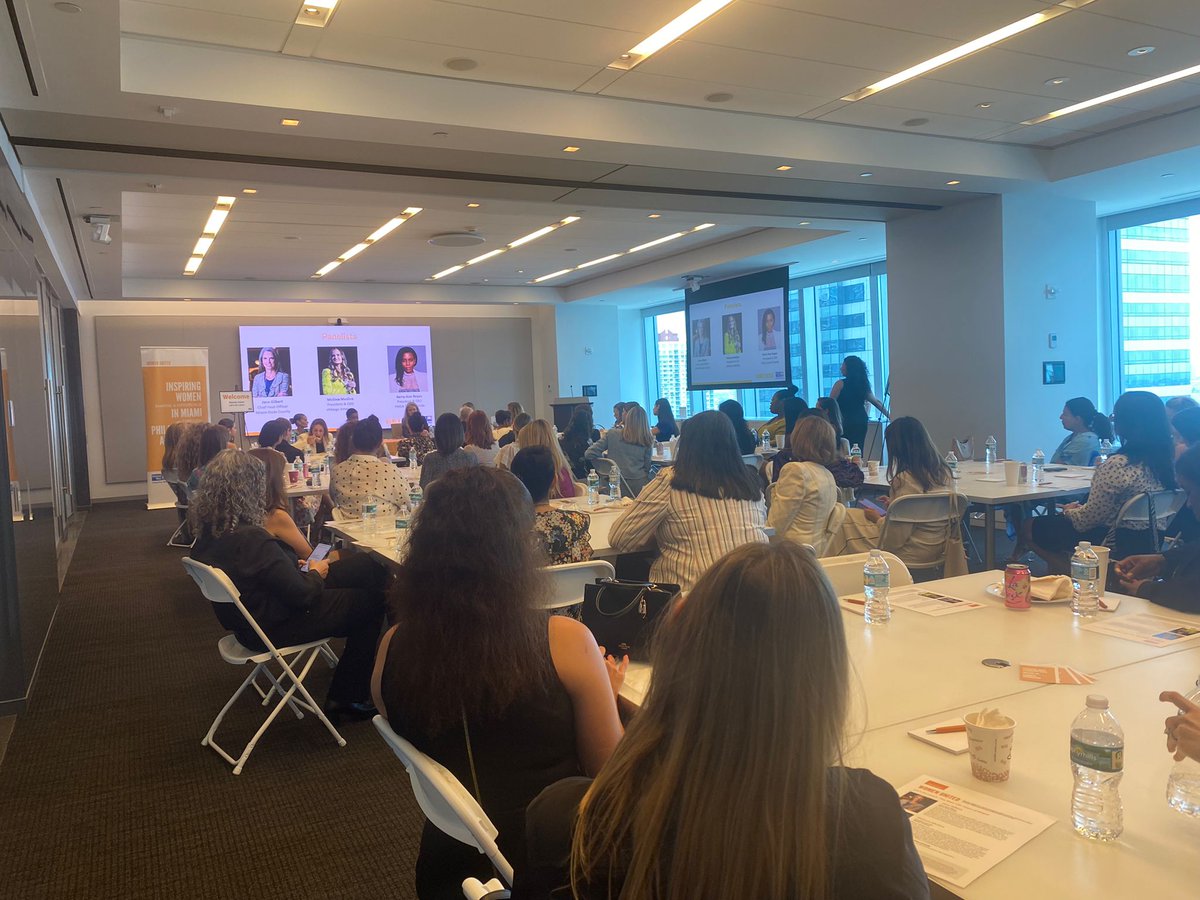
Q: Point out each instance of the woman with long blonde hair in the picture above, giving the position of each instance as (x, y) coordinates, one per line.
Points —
(629, 447)
(540, 433)
(729, 782)
(336, 378)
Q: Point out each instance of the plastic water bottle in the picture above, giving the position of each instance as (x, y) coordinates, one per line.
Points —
(989, 452)
(370, 514)
(1035, 467)
(1097, 762)
(952, 464)
(415, 496)
(317, 480)
(1105, 450)
(1085, 581)
(876, 582)
(614, 484)
(593, 488)
(766, 440)
(1183, 784)
(856, 455)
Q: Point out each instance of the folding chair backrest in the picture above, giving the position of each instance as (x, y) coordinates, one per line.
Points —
(965, 447)
(180, 492)
(1136, 513)
(218, 588)
(924, 509)
(568, 580)
(604, 467)
(845, 573)
(445, 802)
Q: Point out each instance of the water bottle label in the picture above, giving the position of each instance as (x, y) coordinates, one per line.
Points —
(1085, 571)
(1102, 759)
(876, 579)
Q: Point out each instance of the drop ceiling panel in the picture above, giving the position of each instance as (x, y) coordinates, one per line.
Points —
(1039, 135)
(945, 18)
(893, 118)
(999, 69)
(273, 10)
(178, 22)
(1096, 40)
(1175, 15)
(635, 15)
(638, 85)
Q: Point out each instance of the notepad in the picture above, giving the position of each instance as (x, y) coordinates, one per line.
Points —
(955, 742)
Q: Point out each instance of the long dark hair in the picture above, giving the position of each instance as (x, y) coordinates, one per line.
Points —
(793, 409)
(1140, 419)
(276, 464)
(1187, 424)
(833, 413)
(212, 441)
(856, 372)
(910, 449)
(709, 463)
(662, 409)
(473, 643)
(581, 423)
(448, 433)
(1097, 422)
(733, 410)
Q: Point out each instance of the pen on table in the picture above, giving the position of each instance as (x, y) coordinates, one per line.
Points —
(946, 729)
(855, 601)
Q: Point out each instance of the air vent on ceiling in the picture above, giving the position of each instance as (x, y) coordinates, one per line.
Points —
(457, 239)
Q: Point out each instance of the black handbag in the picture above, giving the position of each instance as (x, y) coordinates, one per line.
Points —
(622, 615)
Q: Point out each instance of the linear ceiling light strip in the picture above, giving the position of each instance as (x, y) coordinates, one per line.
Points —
(610, 257)
(373, 238)
(1116, 95)
(669, 33)
(216, 219)
(987, 40)
(519, 242)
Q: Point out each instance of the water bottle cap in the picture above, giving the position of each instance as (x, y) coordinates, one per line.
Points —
(1097, 701)
(1083, 545)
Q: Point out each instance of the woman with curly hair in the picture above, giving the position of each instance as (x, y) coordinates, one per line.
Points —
(336, 378)
(338, 599)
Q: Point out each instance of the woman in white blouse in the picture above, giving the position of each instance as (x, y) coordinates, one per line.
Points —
(1145, 464)
(804, 501)
(707, 504)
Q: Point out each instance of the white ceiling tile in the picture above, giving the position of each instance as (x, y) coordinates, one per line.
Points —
(1039, 136)
(1023, 73)
(202, 25)
(274, 10)
(893, 118)
(638, 85)
(962, 100)
(1176, 15)
(634, 15)
(944, 18)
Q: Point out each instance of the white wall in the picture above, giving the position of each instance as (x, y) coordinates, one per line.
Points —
(587, 353)
(631, 344)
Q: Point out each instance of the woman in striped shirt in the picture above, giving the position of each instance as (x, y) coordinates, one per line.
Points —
(707, 504)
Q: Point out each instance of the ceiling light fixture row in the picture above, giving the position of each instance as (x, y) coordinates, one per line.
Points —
(216, 219)
(669, 33)
(957, 53)
(373, 238)
(612, 256)
(519, 242)
(1116, 95)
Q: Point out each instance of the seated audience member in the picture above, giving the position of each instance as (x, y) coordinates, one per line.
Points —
(777, 425)
(338, 599)
(277, 431)
(480, 442)
(299, 422)
(745, 437)
(564, 532)
(409, 409)
(504, 421)
(517, 699)
(343, 444)
(1087, 428)
(171, 438)
(365, 477)
(448, 438)
(697, 801)
(520, 420)
(464, 413)
(540, 433)
(419, 443)
(1175, 405)
(230, 431)
(804, 501)
(277, 516)
(698, 510)
(618, 414)
(1185, 428)
(833, 415)
(1170, 579)
(515, 409)
(317, 441)
(630, 447)
(187, 453)
(1144, 463)
(352, 415)
(1182, 729)
(579, 434)
(914, 467)
(213, 439)
(665, 426)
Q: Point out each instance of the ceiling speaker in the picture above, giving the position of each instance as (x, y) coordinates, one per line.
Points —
(457, 239)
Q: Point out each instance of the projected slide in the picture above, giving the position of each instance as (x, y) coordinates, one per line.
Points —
(737, 333)
(324, 370)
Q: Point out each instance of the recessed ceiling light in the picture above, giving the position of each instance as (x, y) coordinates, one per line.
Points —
(289, 123)
(719, 97)
(914, 123)
(570, 150)
(208, 234)
(461, 64)
(805, 222)
(532, 236)
(1141, 51)
(1056, 81)
(68, 7)
(669, 33)
(249, 190)
(374, 237)
(987, 104)
(866, 174)
(953, 182)
(520, 271)
(1117, 95)
(957, 53)
(316, 13)
(654, 216)
(472, 206)
(783, 168)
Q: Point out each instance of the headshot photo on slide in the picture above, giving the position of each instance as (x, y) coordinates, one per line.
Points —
(338, 366)
(701, 338)
(768, 329)
(406, 365)
(731, 328)
(268, 368)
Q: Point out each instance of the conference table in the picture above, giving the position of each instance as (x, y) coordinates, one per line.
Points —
(985, 486)
(919, 670)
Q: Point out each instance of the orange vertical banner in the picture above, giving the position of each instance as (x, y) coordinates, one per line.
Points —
(175, 386)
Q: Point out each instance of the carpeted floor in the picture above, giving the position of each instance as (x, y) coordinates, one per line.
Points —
(105, 790)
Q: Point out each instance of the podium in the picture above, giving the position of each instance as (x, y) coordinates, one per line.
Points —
(563, 407)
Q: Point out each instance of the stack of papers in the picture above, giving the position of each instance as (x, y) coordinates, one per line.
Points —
(1148, 628)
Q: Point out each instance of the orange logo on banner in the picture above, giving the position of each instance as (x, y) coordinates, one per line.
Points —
(173, 394)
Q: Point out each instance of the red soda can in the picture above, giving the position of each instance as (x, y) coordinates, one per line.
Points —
(1016, 586)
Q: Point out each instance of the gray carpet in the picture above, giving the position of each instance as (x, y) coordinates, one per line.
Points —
(105, 790)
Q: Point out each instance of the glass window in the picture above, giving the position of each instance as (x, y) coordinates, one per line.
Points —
(1156, 305)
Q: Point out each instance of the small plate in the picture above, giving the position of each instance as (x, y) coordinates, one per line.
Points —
(996, 589)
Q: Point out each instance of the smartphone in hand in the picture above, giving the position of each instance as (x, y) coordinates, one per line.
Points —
(319, 553)
(872, 505)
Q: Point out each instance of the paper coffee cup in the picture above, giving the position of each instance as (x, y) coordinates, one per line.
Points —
(872, 467)
(1102, 553)
(990, 748)
(1012, 471)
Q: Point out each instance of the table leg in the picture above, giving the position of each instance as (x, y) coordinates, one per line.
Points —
(989, 537)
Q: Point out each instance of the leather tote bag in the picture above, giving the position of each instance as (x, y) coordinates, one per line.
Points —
(623, 614)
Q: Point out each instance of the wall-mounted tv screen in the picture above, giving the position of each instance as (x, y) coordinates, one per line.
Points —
(737, 333)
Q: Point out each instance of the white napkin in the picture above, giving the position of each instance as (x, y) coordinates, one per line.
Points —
(1050, 587)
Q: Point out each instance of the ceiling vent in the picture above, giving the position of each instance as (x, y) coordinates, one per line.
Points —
(457, 239)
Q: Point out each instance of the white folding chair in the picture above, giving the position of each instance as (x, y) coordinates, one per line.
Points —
(965, 448)
(940, 508)
(567, 581)
(288, 685)
(845, 573)
(1151, 512)
(452, 810)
